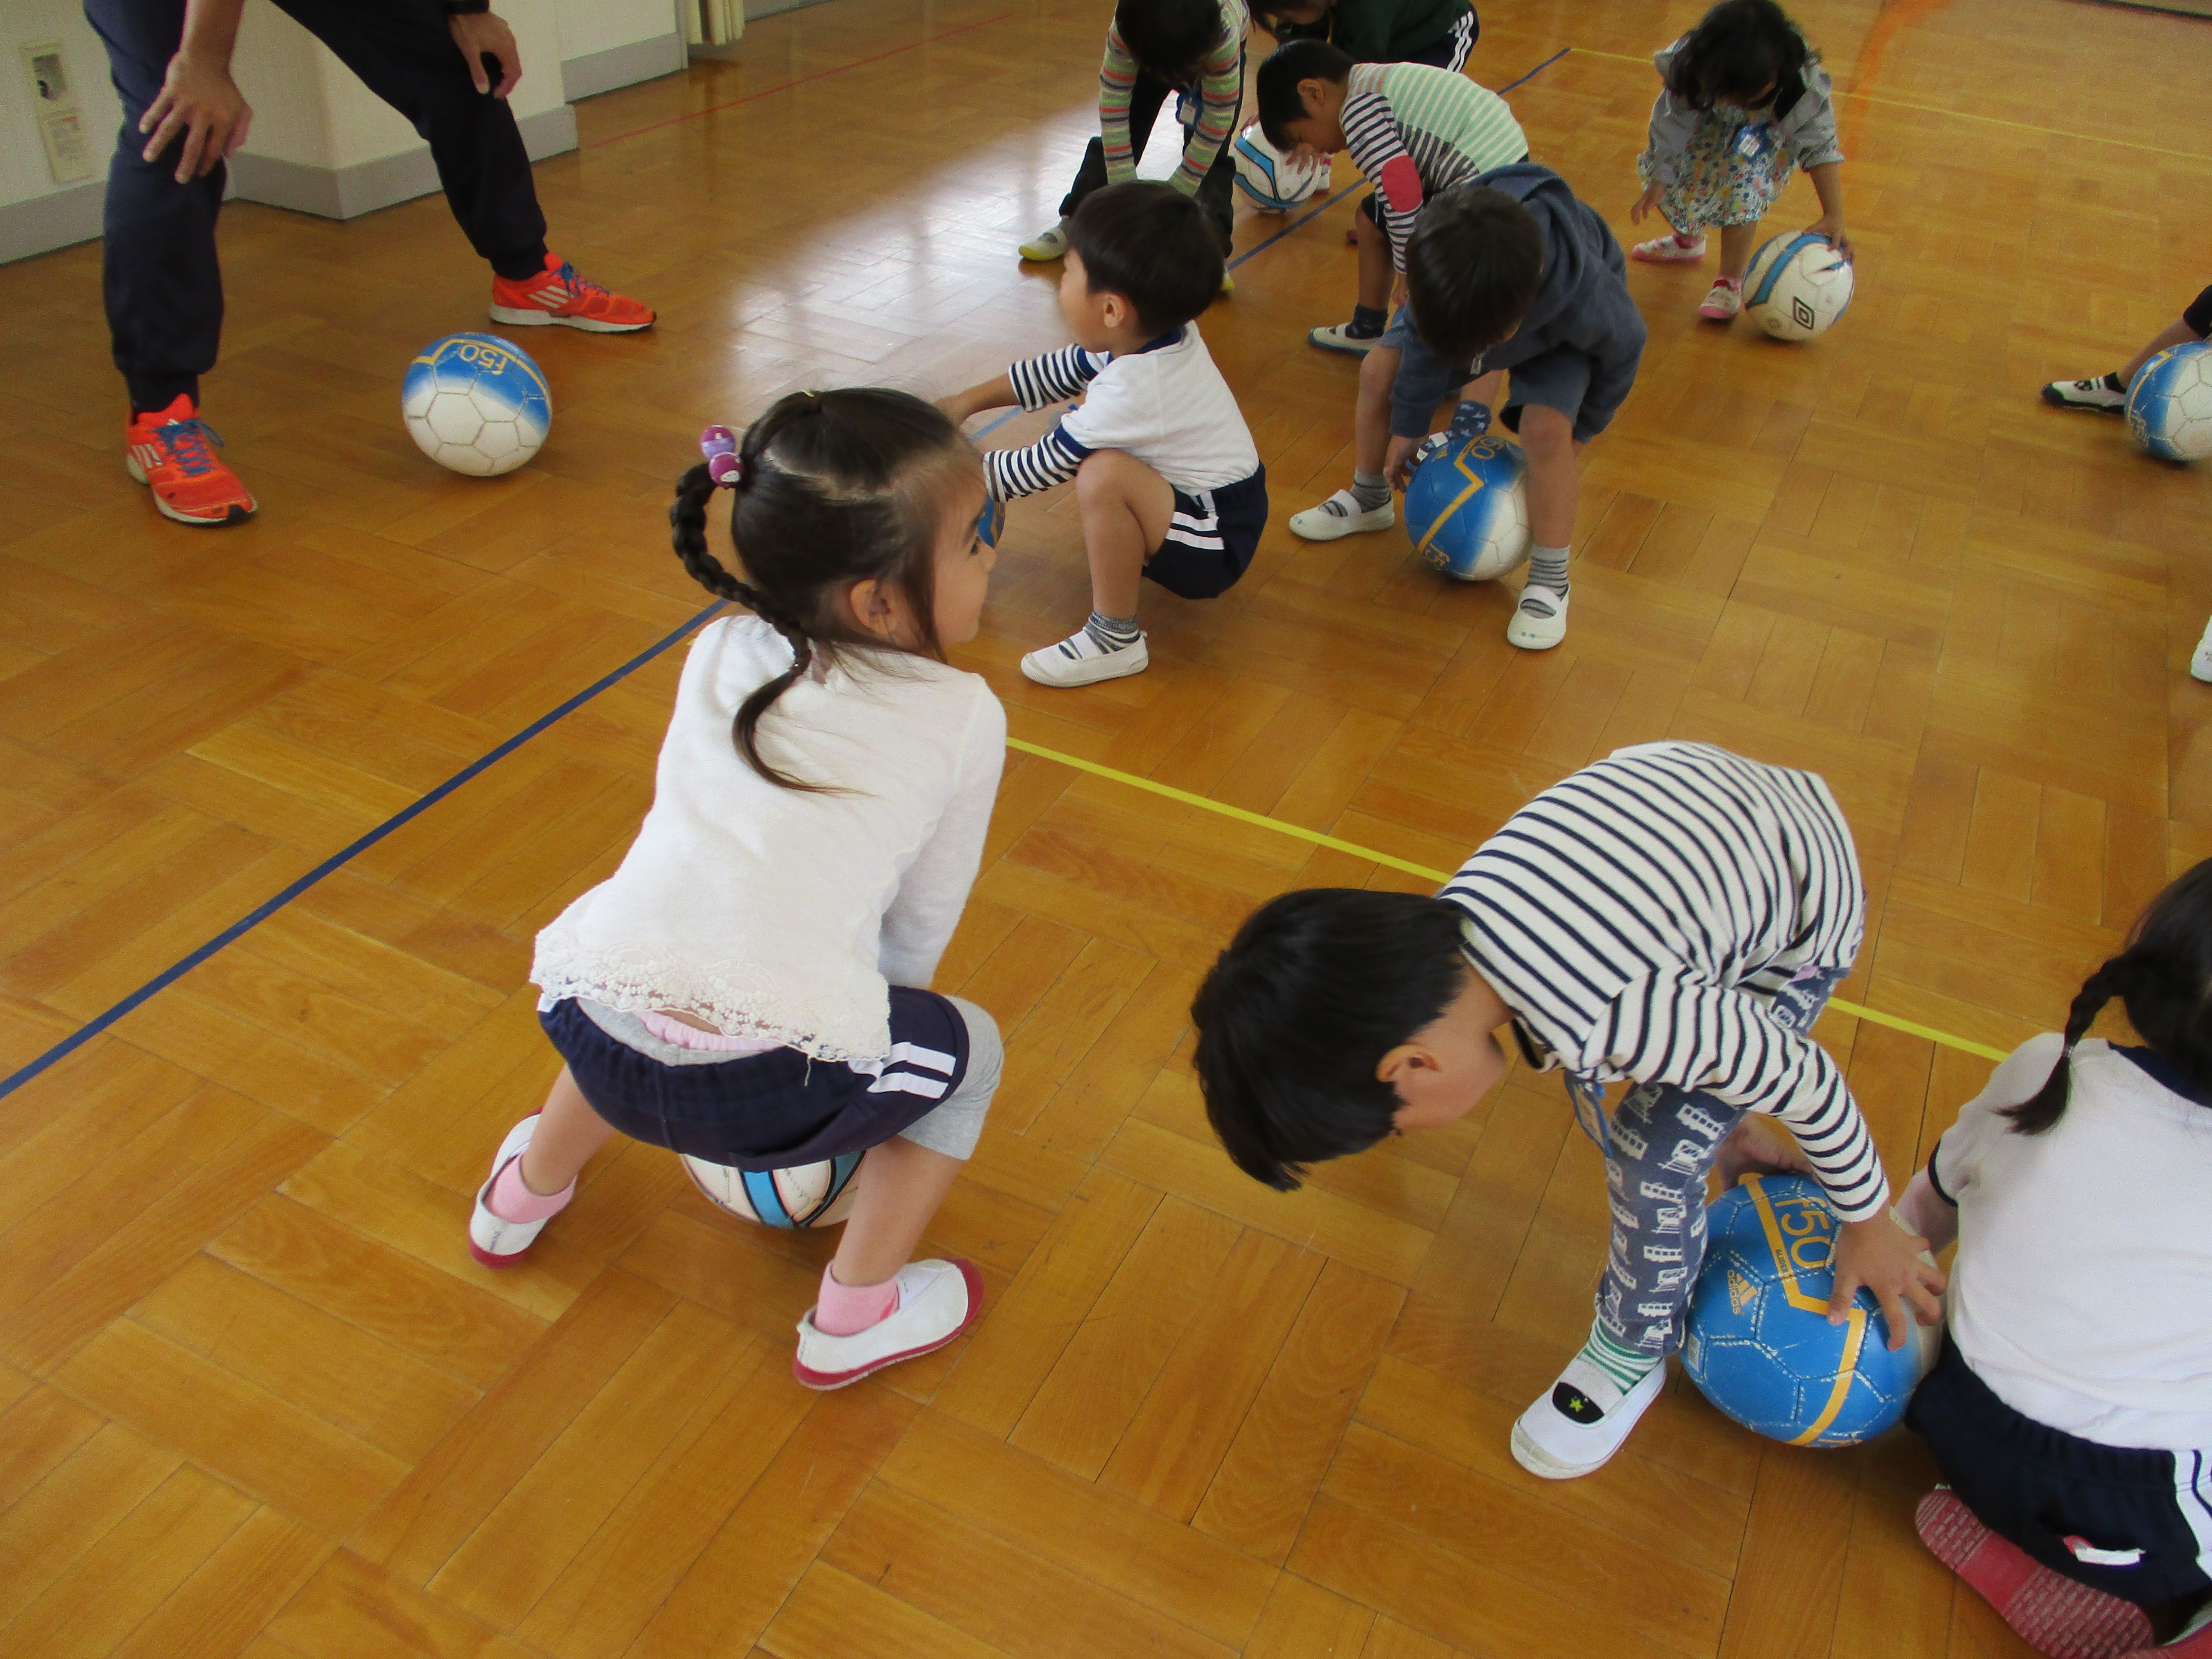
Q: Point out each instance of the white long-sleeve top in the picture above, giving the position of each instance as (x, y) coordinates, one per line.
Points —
(776, 912)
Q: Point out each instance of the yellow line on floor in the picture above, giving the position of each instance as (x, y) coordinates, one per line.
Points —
(1956, 114)
(1260, 820)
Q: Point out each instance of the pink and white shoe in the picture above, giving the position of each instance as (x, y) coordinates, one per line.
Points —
(2050, 1612)
(1724, 302)
(493, 1239)
(1668, 250)
(936, 1300)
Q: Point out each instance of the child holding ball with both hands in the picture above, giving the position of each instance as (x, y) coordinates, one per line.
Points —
(1743, 97)
(749, 988)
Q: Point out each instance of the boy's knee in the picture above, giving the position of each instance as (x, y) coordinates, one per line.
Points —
(1546, 435)
(1378, 372)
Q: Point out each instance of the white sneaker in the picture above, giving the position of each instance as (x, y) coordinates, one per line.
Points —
(1338, 339)
(1341, 514)
(2093, 393)
(2200, 665)
(493, 1240)
(1540, 620)
(1079, 659)
(1581, 1423)
(1050, 243)
(936, 1300)
(1723, 301)
(1665, 250)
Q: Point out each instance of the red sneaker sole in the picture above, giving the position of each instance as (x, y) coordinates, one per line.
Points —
(824, 1381)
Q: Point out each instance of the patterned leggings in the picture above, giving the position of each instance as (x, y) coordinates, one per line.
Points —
(1658, 1147)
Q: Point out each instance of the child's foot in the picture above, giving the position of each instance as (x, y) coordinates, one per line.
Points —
(1344, 338)
(499, 1235)
(1083, 659)
(1228, 283)
(1540, 620)
(2101, 394)
(936, 1300)
(2201, 664)
(169, 452)
(1050, 243)
(1670, 250)
(1723, 301)
(559, 294)
(1341, 514)
(1581, 1423)
(2051, 1614)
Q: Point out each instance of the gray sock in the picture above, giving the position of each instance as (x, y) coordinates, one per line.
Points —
(1112, 633)
(1371, 490)
(1548, 568)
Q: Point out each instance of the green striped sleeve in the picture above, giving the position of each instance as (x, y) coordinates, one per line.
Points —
(1462, 116)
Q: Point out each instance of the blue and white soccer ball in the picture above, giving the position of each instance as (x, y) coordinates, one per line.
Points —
(2170, 402)
(1759, 1345)
(1466, 507)
(806, 1195)
(1271, 180)
(1797, 286)
(475, 404)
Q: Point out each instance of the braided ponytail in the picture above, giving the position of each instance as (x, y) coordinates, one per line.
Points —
(2165, 979)
(831, 488)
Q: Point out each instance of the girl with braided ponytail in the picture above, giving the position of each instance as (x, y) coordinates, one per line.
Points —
(750, 987)
(2071, 1412)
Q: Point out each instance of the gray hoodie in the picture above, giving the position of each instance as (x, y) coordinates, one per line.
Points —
(1807, 131)
(1582, 307)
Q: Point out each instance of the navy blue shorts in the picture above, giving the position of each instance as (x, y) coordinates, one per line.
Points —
(1212, 539)
(768, 1111)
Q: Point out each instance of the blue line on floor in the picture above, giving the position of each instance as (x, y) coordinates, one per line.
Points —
(261, 912)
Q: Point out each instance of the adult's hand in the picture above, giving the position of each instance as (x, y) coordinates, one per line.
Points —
(199, 101)
(482, 34)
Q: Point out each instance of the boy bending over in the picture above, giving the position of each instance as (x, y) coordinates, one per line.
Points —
(1676, 916)
(1167, 478)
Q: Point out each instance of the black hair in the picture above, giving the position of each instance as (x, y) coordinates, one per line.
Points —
(1295, 1016)
(2164, 978)
(1473, 266)
(1170, 40)
(1152, 245)
(1273, 15)
(1275, 84)
(837, 486)
(1739, 49)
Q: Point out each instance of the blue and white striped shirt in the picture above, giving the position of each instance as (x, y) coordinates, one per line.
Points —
(1638, 917)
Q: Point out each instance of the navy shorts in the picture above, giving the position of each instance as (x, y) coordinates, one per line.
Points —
(2038, 1486)
(2199, 314)
(768, 1111)
(1211, 539)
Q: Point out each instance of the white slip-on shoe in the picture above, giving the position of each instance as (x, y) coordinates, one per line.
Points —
(1724, 302)
(1665, 250)
(1581, 1423)
(1050, 243)
(1079, 659)
(1341, 338)
(2097, 394)
(1540, 620)
(493, 1240)
(2200, 665)
(1341, 514)
(936, 1300)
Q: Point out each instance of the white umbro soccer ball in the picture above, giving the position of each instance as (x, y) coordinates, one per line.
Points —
(475, 404)
(1271, 180)
(1797, 287)
(2170, 402)
(806, 1195)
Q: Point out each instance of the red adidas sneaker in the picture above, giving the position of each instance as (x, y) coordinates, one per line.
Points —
(558, 294)
(170, 453)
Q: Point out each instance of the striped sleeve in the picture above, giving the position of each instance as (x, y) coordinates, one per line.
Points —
(1377, 149)
(1062, 374)
(1052, 460)
(1221, 91)
(1117, 78)
(1674, 1029)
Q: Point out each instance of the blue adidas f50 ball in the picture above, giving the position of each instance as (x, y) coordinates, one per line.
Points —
(475, 404)
(1759, 1345)
(1466, 508)
(2170, 402)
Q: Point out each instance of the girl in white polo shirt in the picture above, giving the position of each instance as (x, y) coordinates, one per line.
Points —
(2071, 1413)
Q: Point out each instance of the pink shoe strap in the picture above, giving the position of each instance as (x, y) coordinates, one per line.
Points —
(848, 1309)
(511, 1199)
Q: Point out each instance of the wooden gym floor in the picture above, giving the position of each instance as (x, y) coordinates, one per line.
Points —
(255, 1398)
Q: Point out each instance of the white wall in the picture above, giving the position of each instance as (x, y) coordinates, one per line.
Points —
(590, 25)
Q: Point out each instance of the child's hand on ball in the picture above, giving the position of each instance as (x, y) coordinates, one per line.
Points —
(1882, 1255)
(1831, 231)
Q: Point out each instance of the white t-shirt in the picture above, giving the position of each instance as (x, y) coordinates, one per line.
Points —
(2082, 1290)
(777, 913)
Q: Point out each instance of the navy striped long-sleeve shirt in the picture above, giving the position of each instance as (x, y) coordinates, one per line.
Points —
(1638, 917)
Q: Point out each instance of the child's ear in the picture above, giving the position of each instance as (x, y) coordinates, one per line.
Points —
(872, 606)
(1115, 310)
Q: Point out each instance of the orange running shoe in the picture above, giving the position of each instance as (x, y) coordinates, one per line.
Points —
(558, 294)
(169, 453)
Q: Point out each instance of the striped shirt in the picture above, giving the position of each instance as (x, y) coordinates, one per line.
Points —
(1414, 131)
(1220, 91)
(1639, 916)
(1165, 404)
